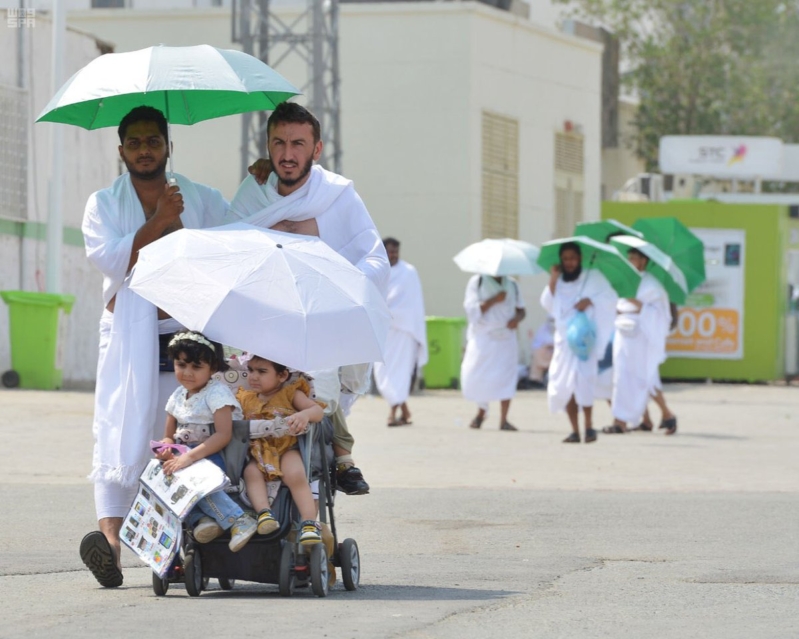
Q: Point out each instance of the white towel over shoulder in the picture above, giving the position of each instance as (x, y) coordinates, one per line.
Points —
(126, 396)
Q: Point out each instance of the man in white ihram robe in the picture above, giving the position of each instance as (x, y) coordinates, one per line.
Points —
(489, 371)
(406, 344)
(571, 381)
(301, 197)
(639, 348)
(131, 394)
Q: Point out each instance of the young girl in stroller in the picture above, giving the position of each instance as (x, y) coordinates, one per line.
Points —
(272, 397)
(196, 404)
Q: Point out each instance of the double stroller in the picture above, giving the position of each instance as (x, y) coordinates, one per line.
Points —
(276, 558)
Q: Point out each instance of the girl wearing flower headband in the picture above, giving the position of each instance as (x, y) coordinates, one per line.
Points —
(196, 404)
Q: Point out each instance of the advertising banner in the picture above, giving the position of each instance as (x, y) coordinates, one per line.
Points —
(721, 156)
(711, 322)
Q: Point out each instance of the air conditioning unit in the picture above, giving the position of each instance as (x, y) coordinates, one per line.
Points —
(644, 187)
(684, 187)
(651, 185)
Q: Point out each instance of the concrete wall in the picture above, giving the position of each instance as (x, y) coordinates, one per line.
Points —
(89, 164)
(415, 79)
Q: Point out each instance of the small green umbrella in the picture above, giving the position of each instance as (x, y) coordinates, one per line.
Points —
(187, 84)
(660, 265)
(596, 255)
(601, 231)
(675, 239)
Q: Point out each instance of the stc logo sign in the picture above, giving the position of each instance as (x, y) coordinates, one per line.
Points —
(739, 154)
(721, 156)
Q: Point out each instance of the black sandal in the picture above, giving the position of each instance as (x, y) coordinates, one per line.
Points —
(98, 555)
(590, 435)
(612, 430)
(670, 425)
(574, 438)
(476, 422)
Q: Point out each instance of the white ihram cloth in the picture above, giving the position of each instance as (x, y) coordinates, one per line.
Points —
(489, 371)
(639, 348)
(344, 225)
(568, 376)
(406, 344)
(127, 410)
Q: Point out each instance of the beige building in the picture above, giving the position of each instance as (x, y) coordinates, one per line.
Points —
(25, 166)
(459, 121)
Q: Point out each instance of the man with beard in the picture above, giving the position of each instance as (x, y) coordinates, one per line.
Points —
(572, 381)
(302, 197)
(406, 344)
(132, 384)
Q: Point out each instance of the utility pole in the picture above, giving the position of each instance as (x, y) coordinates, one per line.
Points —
(55, 218)
(313, 36)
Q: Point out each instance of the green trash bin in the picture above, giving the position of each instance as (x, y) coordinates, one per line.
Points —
(445, 350)
(33, 327)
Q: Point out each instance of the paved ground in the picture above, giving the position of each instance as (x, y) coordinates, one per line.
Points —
(466, 533)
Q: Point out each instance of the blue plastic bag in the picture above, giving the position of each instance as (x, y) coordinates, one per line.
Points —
(581, 335)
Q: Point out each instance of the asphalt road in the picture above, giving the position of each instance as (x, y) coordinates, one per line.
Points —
(466, 534)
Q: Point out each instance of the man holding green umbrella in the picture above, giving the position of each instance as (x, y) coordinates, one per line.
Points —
(137, 209)
(642, 326)
(604, 231)
(577, 285)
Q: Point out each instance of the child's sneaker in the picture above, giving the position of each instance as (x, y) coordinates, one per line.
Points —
(207, 530)
(241, 532)
(310, 532)
(267, 522)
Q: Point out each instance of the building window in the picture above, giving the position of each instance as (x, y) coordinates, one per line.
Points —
(108, 4)
(500, 188)
(569, 182)
(14, 153)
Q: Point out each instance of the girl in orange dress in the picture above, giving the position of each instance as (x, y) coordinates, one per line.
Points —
(271, 397)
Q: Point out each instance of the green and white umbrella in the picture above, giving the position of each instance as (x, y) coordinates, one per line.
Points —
(602, 230)
(596, 255)
(678, 242)
(187, 84)
(661, 266)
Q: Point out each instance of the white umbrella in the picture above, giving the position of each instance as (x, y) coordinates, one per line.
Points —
(499, 257)
(289, 298)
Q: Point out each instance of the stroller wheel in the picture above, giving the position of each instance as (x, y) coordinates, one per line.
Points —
(193, 569)
(350, 562)
(226, 584)
(160, 585)
(319, 583)
(286, 575)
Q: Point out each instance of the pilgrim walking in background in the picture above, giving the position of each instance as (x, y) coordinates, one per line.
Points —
(639, 348)
(572, 381)
(489, 371)
(406, 344)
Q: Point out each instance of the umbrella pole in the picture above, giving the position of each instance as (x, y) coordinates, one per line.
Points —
(171, 180)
